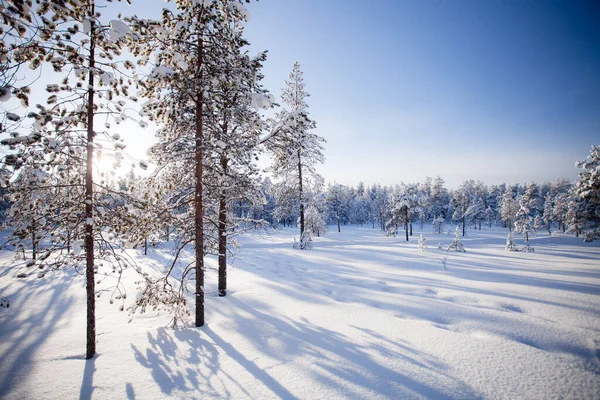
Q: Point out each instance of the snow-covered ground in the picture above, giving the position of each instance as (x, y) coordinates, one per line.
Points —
(360, 316)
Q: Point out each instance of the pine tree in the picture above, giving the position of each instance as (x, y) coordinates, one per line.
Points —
(64, 141)
(587, 191)
(524, 220)
(203, 92)
(296, 150)
(508, 208)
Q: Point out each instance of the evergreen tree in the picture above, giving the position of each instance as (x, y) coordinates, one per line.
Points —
(587, 190)
(193, 46)
(296, 150)
(72, 39)
(508, 208)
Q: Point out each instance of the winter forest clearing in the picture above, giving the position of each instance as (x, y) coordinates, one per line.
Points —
(168, 227)
(362, 315)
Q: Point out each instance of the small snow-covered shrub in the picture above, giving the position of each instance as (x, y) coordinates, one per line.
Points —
(305, 242)
(510, 243)
(456, 243)
(422, 243)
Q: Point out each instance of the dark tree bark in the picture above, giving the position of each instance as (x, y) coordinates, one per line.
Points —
(198, 206)
(337, 214)
(406, 222)
(89, 198)
(301, 194)
(33, 239)
(463, 219)
(223, 235)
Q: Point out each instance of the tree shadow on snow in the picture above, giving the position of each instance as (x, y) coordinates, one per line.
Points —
(26, 335)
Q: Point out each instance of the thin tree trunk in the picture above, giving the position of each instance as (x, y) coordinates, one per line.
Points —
(301, 194)
(223, 236)
(410, 228)
(90, 285)
(463, 220)
(198, 206)
(406, 223)
(33, 239)
(337, 215)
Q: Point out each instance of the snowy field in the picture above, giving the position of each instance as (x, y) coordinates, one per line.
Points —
(361, 316)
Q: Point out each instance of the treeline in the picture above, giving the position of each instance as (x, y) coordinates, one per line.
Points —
(556, 206)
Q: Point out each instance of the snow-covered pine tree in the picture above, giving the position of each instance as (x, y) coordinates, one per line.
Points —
(296, 150)
(193, 46)
(508, 208)
(524, 220)
(463, 197)
(548, 211)
(333, 197)
(559, 212)
(234, 125)
(587, 190)
(438, 224)
(315, 219)
(476, 212)
(72, 39)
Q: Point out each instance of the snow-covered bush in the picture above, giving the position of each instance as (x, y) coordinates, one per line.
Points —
(305, 242)
(422, 243)
(456, 243)
(510, 243)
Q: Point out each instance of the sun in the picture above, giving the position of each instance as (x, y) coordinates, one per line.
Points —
(110, 167)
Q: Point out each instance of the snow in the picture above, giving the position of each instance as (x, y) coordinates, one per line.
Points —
(118, 30)
(78, 247)
(361, 316)
(87, 26)
(161, 71)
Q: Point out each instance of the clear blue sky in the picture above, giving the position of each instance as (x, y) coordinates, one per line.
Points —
(501, 91)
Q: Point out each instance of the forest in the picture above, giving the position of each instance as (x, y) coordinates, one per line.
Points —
(69, 77)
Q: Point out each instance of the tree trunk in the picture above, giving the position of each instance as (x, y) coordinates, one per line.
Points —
(406, 223)
(145, 245)
(33, 239)
(198, 206)
(463, 221)
(90, 285)
(301, 194)
(337, 215)
(223, 236)
(410, 228)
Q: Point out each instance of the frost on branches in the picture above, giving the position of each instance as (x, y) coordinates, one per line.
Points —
(587, 190)
(296, 150)
(456, 243)
(204, 92)
(52, 167)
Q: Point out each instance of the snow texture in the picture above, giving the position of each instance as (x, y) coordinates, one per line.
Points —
(361, 316)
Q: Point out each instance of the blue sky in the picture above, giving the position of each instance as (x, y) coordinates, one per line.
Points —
(498, 91)
(501, 91)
